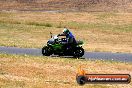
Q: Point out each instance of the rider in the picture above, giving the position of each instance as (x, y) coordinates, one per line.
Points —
(70, 39)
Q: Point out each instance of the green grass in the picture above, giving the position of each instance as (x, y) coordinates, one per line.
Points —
(102, 16)
(102, 26)
(39, 24)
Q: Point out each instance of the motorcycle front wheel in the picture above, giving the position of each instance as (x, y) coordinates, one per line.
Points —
(46, 51)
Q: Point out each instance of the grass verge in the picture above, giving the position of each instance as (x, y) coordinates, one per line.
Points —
(40, 72)
(110, 32)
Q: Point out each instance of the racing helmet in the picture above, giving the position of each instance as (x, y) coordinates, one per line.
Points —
(65, 31)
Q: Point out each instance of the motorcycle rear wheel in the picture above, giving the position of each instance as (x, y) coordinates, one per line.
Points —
(78, 52)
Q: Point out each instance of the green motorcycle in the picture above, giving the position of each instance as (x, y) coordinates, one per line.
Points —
(56, 46)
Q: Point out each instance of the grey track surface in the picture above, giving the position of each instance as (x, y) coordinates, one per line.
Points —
(127, 57)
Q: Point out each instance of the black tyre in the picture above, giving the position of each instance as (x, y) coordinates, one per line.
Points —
(61, 54)
(81, 80)
(78, 52)
(46, 51)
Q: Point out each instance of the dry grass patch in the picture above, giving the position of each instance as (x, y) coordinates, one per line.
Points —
(40, 72)
(100, 31)
(63, 5)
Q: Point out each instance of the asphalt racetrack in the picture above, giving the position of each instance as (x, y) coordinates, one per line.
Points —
(125, 57)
